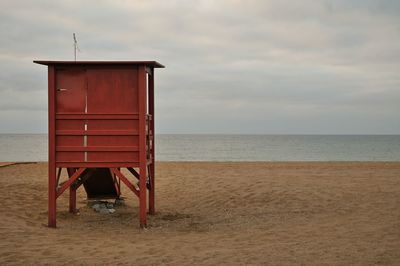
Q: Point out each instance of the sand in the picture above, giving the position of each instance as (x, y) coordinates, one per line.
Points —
(215, 214)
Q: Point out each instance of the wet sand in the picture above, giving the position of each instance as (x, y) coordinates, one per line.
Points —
(283, 213)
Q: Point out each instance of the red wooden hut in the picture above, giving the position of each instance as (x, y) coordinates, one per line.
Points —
(101, 119)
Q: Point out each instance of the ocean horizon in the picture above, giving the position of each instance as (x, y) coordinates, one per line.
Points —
(224, 147)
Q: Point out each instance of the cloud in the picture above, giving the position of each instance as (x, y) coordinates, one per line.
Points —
(232, 66)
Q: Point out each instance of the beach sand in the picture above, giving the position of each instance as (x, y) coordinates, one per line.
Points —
(284, 213)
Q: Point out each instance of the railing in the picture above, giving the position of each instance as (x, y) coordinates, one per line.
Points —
(149, 137)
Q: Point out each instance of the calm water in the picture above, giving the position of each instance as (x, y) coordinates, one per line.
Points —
(236, 148)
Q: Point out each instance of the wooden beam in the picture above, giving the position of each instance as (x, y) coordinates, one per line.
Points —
(97, 148)
(133, 172)
(70, 181)
(52, 144)
(97, 133)
(142, 92)
(64, 116)
(125, 180)
(152, 208)
(103, 164)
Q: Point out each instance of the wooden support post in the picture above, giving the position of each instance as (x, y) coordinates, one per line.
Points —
(52, 155)
(52, 197)
(152, 208)
(118, 184)
(72, 193)
(134, 173)
(143, 197)
(125, 180)
(72, 200)
(70, 181)
(142, 145)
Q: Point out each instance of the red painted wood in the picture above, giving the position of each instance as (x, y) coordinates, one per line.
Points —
(107, 63)
(112, 90)
(70, 98)
(142, 145)
(134, 173)
(117, 182)
(70, 181)
(152, 208)
(119, 94)
(97, 164)
(112, 156)
(66, 116)
(125, 180)
(100, 117)
(97, 133)
(98, 148)
(71, 91)
(72, 193)
(52, 148)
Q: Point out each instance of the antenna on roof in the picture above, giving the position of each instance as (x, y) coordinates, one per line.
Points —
(75, 46)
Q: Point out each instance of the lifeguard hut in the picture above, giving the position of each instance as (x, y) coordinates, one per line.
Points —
(101, 119)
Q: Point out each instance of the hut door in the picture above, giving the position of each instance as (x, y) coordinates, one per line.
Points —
(71, 94)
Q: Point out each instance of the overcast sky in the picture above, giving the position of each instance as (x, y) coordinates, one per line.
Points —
(253, 67)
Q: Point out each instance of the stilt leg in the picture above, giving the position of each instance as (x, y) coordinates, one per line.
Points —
(152, 143)
(72, 200)
(152, 209)
(143, 197)
(52, 196)
(118, 185)
(72, 193)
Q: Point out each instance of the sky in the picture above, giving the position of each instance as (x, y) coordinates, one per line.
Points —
(232, 67)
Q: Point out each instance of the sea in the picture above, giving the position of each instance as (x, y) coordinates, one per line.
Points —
(192, 147)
